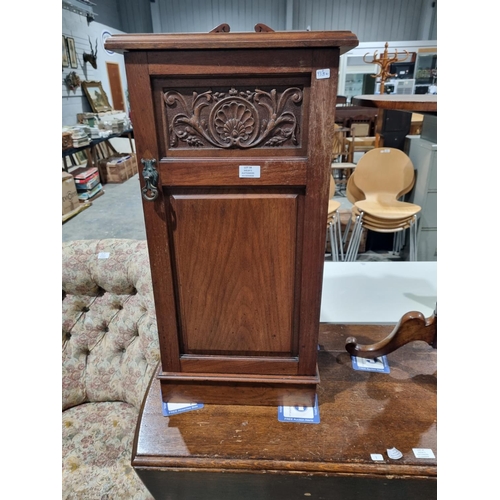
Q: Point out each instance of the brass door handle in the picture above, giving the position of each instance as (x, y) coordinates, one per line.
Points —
(150, 175)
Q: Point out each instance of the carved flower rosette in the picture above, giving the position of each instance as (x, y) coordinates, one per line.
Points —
(238, 119)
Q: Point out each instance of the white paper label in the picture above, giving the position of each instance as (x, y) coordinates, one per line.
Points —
(376, 457)
(249, 171)
(322, 73)
(103, 255)
(394, 453)
(423, 453)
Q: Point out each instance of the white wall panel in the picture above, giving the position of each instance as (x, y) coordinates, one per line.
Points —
(76, 26)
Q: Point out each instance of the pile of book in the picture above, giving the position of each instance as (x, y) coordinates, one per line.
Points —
(88, 183)
(97, 133)
(118, 126)
(81, 136)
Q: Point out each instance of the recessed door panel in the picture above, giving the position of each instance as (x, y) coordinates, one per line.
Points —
(235, 265)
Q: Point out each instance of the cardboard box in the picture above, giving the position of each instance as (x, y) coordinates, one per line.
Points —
(67, 140)
(118, 168)
(69, 194)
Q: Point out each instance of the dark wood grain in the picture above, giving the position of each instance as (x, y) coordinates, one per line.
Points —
(224, 172)
(361, 413)
(143, 119)
(324, 93)
(265, 363)
(228, 291)
(421, 103)
(239, 390)
(345, 40)
(253, 63)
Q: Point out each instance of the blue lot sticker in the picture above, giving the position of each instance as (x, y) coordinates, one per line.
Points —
(175, 408)
(301, 414)
(379, 364)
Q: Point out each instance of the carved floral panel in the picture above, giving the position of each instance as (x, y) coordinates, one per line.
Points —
(234, 118)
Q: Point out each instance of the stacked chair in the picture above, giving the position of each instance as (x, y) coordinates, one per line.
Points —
(382, 177)
(333, 228)
(340, 167)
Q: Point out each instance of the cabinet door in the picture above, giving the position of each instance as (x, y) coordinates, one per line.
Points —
(236, 235)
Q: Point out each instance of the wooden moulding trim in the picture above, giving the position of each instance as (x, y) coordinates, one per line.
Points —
(240, 378)
(178, 464)
(345, 40)
(270, 365)
(188, 172)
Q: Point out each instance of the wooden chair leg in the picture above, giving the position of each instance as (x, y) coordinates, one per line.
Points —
(350, 152)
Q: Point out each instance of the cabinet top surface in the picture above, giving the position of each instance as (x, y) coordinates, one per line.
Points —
(344, 40)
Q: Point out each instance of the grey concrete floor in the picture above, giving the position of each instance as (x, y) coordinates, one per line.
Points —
(115, 214)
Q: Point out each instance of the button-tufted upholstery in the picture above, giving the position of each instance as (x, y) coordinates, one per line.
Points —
(109, 353)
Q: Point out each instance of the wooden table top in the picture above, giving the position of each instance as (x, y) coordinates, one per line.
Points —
(420, 103)
(361, 413)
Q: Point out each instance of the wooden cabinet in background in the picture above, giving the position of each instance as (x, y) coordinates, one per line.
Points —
(235, 133)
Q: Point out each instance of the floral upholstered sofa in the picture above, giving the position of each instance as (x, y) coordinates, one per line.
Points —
(109, 353)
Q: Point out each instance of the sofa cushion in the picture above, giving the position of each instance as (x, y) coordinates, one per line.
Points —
(110, 337)
(97, 449)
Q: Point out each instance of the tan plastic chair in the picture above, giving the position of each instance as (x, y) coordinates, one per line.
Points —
(381, 177)
(384, 172)
(354, 194)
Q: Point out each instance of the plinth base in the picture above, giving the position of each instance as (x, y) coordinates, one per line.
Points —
(262, 390)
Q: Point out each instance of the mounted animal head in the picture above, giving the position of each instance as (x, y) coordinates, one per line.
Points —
(92, 57)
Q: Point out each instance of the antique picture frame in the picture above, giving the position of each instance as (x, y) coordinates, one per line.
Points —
(97, 97)
(72, 52)
(65, 56)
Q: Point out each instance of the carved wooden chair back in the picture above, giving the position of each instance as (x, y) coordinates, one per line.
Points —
(361, 126)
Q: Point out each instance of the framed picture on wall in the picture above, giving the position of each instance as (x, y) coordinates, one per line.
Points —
(65, 58)
(97, 97)
(72, 52)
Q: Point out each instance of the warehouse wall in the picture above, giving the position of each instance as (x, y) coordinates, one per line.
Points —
(373, 21)
(77, 27)
(370, 20)
(174, 16)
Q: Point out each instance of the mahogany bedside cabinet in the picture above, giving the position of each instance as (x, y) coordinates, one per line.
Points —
(234, 132)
